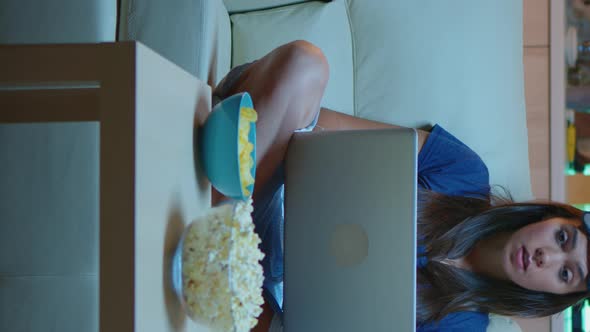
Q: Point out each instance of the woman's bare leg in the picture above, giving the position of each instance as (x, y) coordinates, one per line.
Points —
(286, 86)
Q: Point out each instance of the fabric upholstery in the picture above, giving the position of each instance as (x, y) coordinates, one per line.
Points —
(59, 21)
(502, 324)
(237, 6)
(193, 34)
(326, 25)
(455, 63)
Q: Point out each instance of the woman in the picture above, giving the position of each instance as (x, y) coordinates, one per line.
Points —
(478, 254)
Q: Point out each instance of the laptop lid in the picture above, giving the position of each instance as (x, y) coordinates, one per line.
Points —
(350, 231)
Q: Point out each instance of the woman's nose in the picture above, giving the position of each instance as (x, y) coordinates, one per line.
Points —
(543, 258)
(538, 257)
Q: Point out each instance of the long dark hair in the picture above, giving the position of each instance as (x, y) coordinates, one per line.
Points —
(449, 226)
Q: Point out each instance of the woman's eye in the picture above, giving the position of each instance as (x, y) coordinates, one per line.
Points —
(561, 237)
(564, 274)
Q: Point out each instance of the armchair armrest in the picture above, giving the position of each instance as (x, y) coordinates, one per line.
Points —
(194, 34)
(61, 21)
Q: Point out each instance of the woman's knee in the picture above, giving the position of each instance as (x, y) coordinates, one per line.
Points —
(306, 63)
(304, 78)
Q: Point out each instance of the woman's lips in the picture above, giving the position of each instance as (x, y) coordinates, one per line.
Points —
(521, 258)
(518, 258)
(525, 258)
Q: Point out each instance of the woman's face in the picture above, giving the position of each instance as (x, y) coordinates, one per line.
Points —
(548, 256)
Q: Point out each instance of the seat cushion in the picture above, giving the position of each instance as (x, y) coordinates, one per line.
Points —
(254, 34)
(459, 64)
(415, 64)
(50, 215)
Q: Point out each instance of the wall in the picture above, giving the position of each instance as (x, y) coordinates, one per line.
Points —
(536, 72)
(536, 64)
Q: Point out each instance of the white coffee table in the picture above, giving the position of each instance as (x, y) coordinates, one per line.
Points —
(150, 183)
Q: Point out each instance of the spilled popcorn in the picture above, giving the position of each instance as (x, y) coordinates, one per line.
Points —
(245, 147)
(222, 276)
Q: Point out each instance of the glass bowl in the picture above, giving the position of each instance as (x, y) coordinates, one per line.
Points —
(216, 271)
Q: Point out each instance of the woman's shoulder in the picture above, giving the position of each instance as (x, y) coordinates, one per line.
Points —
(472, 321)
(447, 165)
(458, 321)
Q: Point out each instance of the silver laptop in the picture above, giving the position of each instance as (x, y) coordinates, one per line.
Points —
(350, 231)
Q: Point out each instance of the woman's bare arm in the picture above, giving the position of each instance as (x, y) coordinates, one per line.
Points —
(332, 120)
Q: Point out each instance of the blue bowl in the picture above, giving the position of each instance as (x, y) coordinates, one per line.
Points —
(219, 146)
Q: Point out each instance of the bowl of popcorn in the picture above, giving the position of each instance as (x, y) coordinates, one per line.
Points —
(228, 146)
(216, 269)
